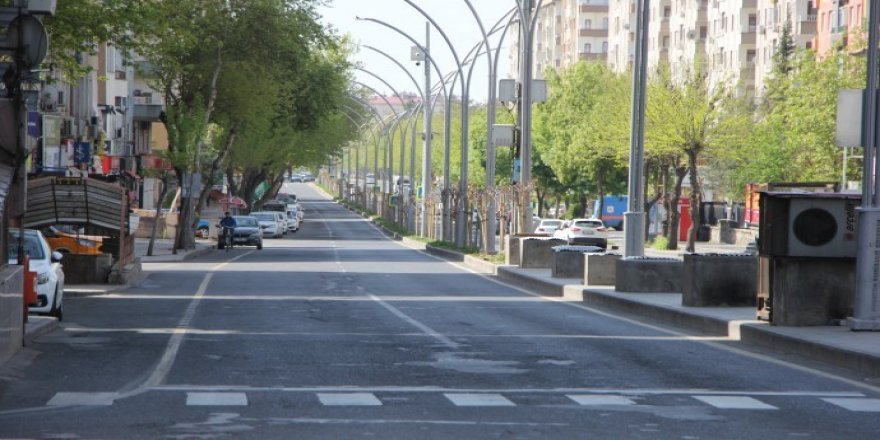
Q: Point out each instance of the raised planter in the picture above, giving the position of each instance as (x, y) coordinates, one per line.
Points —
(537, 253)
(600, 269)
(568, 261)
(719, 280)
(512, 250)
(648, 275)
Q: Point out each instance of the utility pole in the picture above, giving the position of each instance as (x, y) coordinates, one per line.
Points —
(634, 218)
(525, 114)
(866, 304)
(426, 149)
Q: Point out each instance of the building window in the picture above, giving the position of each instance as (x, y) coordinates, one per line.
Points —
(605, 23)
(588, 24)
(588, 47)
(667, 11)
(604, 47)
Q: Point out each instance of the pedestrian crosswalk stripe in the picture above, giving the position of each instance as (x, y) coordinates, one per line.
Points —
(82, 399)
(216, 399)
(855, 404)
(591, 400)
(734, 402)
(349, 399)
(469, 399)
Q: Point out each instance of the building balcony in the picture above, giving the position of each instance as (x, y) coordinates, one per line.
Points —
(146, 110)
(588, 56)
(144, 69)
(593, 32)
(594, 8)
(747, 38)
(808, 27)
(750, 4)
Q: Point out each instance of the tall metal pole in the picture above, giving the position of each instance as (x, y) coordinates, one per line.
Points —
(634, 218)
(866, 304)
(525, 101)
(426, 148)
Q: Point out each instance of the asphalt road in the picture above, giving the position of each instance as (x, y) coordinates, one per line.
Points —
(338, 332)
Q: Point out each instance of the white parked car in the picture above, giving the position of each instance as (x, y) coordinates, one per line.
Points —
(292, 220)
(47, 265)
(584, 231)
(548, 226)
(274, 223)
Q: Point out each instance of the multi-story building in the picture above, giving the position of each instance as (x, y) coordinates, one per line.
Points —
(839, 22)
(621, 34)
(730, 49)
(688, 31)
(659, 38)
(106, 124)
(801, 16)
(567, 31)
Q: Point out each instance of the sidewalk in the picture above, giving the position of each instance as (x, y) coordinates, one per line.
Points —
(39, 325)
(834, 345)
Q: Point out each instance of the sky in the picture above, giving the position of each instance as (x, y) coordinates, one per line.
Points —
(453, 16)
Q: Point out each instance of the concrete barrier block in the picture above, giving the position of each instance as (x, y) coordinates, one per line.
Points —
(537, 253)
(811, 291)
(720, 280)
(648, 275)
(512, 253)
(600, 269)
(567, 264)
(11, 311)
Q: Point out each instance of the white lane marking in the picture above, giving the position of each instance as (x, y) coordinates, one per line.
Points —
(216, 399)
(591, 400)
(734, 402)
(858, 405)
(349, 399)
(157, 377)
(427, 330)
(440, 389)
(82, 399)
(473, 399)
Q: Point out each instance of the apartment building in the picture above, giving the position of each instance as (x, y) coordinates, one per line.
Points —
(839, 22)
(567, 31)
(659, 38)
(688, 31)
(731, 48)
(772, 17)
(105, 125)
(621, 34)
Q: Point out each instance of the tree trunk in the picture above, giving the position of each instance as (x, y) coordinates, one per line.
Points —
(672, 232)
(582, 202)
(163, 191)
(215, 166)
(696, 199)
(540, 196)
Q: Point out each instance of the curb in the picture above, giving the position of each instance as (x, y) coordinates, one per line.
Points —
(753, 333)
(38, 326)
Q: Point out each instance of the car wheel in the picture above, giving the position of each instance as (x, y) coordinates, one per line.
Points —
(260, 247)
(57, 310)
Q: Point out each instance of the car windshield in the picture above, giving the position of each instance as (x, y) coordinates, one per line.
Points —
(589, 224)
(264, 216)
(246, 222)
(553, 223)
(32, 246)
(291, 214)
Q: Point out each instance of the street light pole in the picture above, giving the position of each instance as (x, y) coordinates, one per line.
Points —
(634, 218)
(427, 168)
(527, 26)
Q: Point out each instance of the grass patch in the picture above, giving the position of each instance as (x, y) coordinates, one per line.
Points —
(660, 243)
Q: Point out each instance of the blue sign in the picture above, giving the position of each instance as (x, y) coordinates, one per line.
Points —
(82, 153)
(517, 168)
(33, 125)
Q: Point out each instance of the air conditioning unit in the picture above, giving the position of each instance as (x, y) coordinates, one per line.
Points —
(809, 225)
(691, 34)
